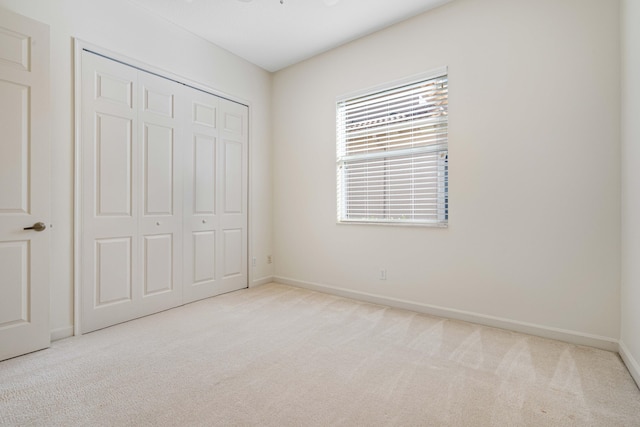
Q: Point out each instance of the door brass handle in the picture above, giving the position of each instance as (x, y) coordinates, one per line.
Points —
(38, 226)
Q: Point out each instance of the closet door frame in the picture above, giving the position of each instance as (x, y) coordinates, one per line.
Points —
(79, 47)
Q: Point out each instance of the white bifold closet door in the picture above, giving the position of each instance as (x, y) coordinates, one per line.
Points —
(215, 226)
(164, 192)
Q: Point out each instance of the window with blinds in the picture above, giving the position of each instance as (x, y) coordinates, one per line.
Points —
(392, 154)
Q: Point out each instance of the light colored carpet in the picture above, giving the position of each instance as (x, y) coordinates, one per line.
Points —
(282, 356)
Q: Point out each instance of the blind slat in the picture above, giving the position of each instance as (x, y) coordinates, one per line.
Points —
(402, 91)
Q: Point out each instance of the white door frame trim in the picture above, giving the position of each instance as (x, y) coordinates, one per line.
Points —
(79, 47)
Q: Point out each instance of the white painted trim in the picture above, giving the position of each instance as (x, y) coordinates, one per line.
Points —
(249, 177)
(572, 337)
(632, 364)
(261, 281)
(143, 66)
(77, 174)
(61, 333)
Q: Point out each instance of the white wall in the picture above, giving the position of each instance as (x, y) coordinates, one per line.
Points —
(121, 27)
(630, 334)
(534, 234)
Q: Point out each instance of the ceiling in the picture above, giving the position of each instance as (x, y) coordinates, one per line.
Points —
(274, 35)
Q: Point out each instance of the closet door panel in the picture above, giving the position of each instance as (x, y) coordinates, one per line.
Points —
(233, 198)
(201, 190)
(204, 257)
(160, 224)
(216, 200)
(232, 244)
(131, 194)
(114, 161)
(204, 174)
(159, 147)
(233, 173)
(109, 187)
(158, 256)
(113, 271)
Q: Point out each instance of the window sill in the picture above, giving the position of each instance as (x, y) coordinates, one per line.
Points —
(395, 224)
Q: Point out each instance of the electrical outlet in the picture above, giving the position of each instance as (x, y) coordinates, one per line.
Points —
(253, 261)
(269, 259)
(383, 274)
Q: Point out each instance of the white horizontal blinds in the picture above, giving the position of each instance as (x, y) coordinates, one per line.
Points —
(392, 155)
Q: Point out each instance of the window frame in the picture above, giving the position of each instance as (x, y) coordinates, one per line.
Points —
(443, 162)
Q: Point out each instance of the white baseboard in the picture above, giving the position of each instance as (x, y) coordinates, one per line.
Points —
(572, 337)
(261, 281)
(60, 333)
(632, 364)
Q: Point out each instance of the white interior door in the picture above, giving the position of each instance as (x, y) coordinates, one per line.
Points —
(215, 226)
(163, 193)
(131, 194)
(24, 185)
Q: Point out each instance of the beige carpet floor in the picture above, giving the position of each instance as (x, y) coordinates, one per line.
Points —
(282, 356)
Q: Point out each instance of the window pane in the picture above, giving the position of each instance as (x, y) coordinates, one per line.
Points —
(393, 155)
